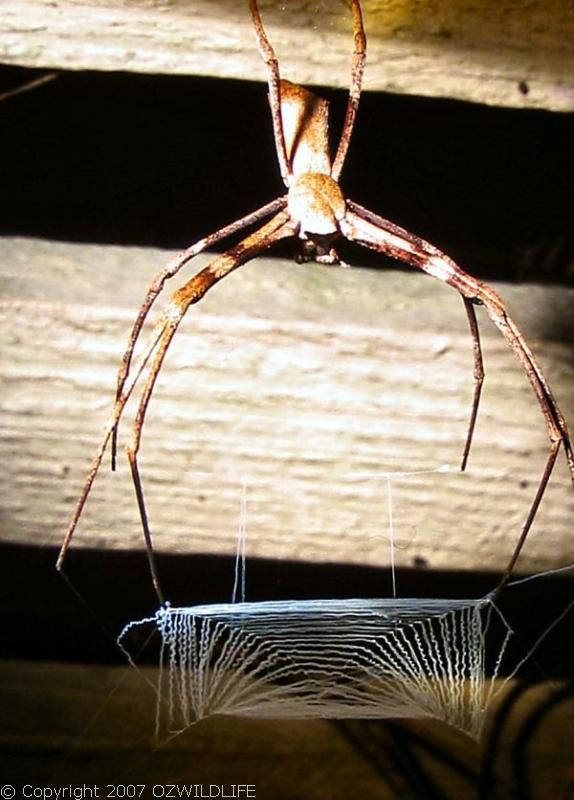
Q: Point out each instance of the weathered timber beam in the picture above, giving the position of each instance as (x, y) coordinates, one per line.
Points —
(306, 385)
(504, 53)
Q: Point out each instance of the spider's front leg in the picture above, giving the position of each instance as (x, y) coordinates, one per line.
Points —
(279, 227)
(370, 230)
(478, 377)
(169, 271)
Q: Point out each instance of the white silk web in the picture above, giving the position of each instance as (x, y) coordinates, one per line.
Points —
(355, 658)
(325, 658)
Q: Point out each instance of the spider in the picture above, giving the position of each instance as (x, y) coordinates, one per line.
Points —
(313, 210)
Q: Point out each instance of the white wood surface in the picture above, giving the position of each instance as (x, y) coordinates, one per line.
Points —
(510, 53)
(305, 384)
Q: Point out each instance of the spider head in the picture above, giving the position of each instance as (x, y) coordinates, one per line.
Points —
(319, 249)
(316, 203)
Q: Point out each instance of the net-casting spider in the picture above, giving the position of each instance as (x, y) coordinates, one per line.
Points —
(314, 210)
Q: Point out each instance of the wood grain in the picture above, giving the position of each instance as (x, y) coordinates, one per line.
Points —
(507, 53)
(303, 386)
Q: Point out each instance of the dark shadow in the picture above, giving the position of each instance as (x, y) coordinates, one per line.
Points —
(155, 160)
(77, 618)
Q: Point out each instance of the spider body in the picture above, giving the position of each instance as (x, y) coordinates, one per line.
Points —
(315, 201)
(314, 211)
(316, 205)
(305, 121)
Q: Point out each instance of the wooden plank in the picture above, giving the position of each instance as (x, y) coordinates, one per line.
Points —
(78, 724)
(502, 54)
(302, 386)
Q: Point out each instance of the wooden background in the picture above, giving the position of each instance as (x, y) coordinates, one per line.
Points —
(301, 386)
(306, 385)
(511, 53)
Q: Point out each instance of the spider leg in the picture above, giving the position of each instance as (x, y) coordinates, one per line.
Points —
(273, 81)
(109, 430)
(277, 228)
(169, 271)
(357, 68)
(478, 377)
(370, 230)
